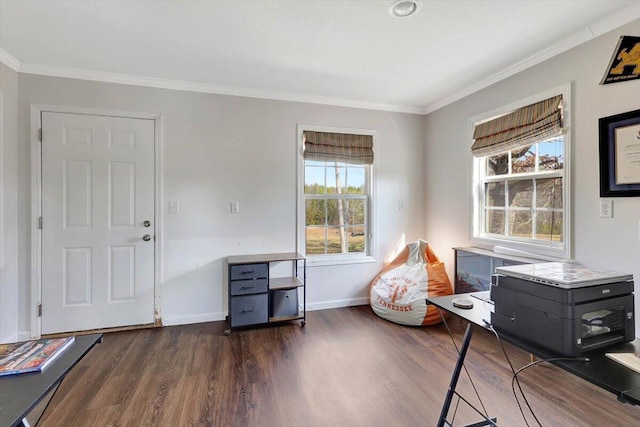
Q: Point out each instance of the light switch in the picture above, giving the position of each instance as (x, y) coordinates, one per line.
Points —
(235, 207)
(174, 206)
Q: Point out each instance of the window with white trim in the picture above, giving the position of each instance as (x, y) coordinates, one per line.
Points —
(521, 178)
(335, 195)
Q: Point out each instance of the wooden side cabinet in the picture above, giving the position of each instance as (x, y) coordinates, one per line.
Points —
(258, 295)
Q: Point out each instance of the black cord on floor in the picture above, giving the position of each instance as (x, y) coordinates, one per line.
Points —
(515, 380)
(537, 362)
(513, 371)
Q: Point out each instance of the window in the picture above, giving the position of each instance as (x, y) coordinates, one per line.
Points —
(335, 194)
(521, 180)
(522, 192)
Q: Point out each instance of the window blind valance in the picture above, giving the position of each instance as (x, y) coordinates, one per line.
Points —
(525, 126)
(338, 147)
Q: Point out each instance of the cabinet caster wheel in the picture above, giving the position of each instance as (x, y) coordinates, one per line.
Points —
(302, 323)
(227, 332)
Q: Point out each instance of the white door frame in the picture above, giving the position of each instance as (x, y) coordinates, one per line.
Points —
(36, 203)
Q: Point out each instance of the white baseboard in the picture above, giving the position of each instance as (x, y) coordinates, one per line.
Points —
(188, 319)
(325, 305)
(23, 336)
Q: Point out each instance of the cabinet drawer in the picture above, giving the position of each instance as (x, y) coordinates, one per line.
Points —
(284, 303)
(243, 287)
(249, 271)
(249, 310)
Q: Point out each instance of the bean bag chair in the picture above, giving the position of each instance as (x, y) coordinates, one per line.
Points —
(398, 293)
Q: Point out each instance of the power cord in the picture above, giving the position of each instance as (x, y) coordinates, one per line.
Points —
(513, 371)
(515, 380)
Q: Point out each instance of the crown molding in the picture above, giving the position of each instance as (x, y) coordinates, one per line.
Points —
(541, 56)
(616, 20)
(597, 29)
(9, 60)
(99, 76)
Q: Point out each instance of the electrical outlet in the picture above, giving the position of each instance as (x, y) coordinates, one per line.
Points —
(606, 208)
(174, 207)
(235, 207)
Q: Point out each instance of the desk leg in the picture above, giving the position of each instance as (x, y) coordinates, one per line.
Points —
(33, 417)
(442, 421)
(455, 376)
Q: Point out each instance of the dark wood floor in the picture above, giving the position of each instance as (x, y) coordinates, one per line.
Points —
(347, 367)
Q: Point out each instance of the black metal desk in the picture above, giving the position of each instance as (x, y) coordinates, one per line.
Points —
(19, 394)
(623, 382)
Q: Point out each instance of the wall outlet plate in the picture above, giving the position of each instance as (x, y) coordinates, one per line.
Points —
(606, 208)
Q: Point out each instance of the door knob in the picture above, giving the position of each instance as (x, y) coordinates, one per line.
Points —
(147, 223)
(146, 237)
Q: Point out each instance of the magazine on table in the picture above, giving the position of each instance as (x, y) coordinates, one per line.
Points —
(31, 356)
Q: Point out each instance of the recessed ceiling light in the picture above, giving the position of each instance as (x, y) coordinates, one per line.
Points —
(404, 8)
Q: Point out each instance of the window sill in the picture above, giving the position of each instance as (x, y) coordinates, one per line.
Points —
(325, 260)
(522, 249)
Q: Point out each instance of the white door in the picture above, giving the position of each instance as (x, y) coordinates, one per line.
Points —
(97, 207)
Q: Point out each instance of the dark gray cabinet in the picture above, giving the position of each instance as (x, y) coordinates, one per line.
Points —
(266, 288)
(474, 267)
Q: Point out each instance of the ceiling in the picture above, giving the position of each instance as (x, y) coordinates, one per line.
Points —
(351, 53)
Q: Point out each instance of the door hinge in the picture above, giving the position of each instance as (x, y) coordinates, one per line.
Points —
(40, 220)
(39, 310)
(40, 134)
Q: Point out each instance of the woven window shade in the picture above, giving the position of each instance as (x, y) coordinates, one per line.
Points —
(338, 147)
(525, 126)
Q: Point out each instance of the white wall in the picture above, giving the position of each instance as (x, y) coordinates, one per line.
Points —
(219, 149)
(8, 205)
(597, 242)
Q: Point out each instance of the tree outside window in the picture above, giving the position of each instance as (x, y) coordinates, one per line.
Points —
(335, 192)
(523, 192)
(335, 208)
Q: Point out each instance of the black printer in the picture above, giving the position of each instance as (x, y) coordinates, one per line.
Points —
(563, 307)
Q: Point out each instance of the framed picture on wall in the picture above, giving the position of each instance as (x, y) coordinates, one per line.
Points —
(620, 155)
(624, 64)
